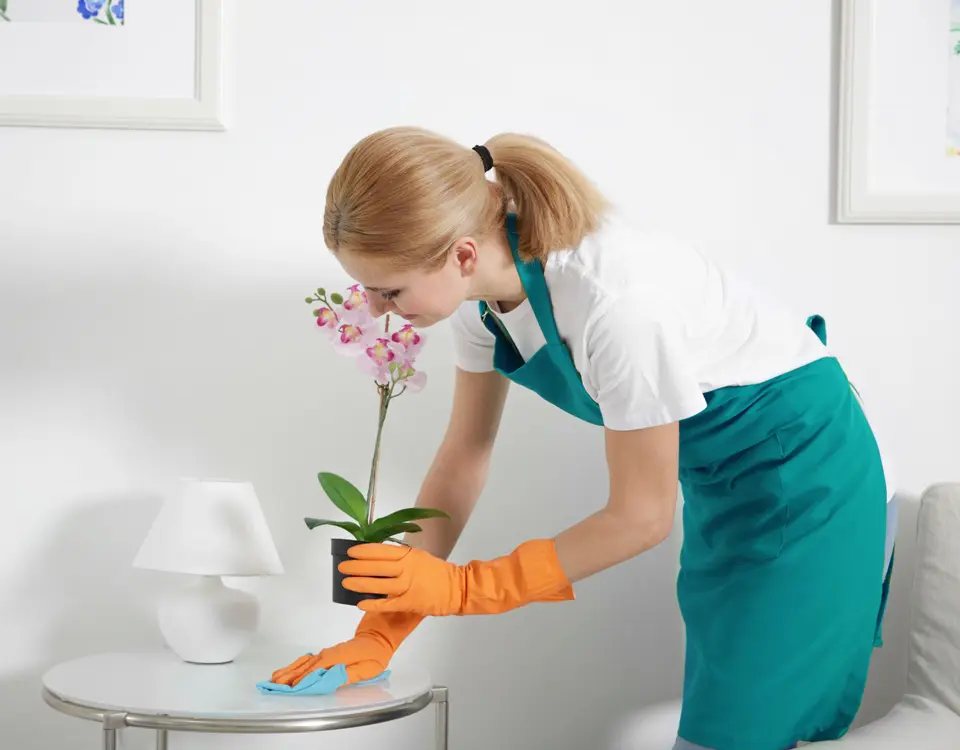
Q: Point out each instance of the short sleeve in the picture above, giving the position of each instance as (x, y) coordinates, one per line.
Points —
(473, 343)
(641, 375)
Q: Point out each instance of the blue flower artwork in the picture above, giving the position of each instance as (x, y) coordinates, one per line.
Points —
(103, 12)
(90, 8)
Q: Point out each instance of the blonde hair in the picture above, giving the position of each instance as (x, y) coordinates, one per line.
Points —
(411, 193)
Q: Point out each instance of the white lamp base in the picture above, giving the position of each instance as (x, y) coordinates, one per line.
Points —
(209, 623)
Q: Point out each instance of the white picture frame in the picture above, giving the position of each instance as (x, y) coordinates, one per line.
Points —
(202, 111)
(862, 197)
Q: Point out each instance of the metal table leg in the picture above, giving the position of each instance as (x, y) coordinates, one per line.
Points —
(161, 739)
(441, 698)
(112, 723)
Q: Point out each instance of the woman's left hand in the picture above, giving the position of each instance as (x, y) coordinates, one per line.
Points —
(416, 581)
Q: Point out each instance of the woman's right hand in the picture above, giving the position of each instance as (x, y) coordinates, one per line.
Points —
(365, 656)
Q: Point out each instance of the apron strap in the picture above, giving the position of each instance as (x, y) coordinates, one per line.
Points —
(535, 285)
(819, 326)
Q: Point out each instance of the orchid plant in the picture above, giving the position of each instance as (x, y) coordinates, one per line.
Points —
(390, 359)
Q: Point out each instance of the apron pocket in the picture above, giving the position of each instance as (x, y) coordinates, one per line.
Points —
(736, 509)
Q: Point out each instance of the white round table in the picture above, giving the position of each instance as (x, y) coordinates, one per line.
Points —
(157, 690)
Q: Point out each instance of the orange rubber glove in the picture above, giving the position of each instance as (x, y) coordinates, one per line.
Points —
(366, 655)
(419, 583)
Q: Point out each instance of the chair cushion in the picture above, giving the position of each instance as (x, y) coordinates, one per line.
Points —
(914, 724)
(934, 668)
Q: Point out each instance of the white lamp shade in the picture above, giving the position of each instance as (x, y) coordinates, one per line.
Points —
(213, 527)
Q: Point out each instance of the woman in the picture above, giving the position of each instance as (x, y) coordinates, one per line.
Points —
(693, 377)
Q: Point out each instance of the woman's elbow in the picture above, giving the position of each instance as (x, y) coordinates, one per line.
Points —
(656, 529)
(649, 528)
(662, 528)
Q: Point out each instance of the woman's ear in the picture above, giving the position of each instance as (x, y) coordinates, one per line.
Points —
(464, 255)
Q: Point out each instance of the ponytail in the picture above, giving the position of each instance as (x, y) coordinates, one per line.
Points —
(556, 205)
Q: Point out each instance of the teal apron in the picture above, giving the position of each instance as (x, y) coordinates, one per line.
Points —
(781, 582)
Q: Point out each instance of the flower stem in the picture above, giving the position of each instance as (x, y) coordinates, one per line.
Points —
(322, 299)
(375, 465)
(385, 394)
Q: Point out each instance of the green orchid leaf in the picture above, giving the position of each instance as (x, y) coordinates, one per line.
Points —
(388, 531)
(345, 496)
(3, 6)
(405, 515)
(353, 528)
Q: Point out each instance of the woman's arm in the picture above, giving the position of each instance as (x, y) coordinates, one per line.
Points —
(638, 516)
(643, 468)
(459, 470)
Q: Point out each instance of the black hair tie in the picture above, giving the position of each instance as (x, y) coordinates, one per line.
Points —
(485, 156)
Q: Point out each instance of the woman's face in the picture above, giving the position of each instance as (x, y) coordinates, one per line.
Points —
(422, 297)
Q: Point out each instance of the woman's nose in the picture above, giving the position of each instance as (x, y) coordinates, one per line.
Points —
(377, 306)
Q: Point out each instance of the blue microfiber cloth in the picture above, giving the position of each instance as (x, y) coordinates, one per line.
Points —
(318, 682)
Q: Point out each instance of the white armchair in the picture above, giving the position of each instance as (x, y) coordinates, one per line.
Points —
(927, 717)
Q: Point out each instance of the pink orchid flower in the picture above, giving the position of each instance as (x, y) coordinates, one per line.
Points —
(327, 321)
(414, 380)
(357, 299)
(409, 339)
(356, 306)
(354, 339)
(382, 353)
(378, 359)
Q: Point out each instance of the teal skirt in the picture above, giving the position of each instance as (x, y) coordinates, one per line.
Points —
(781, 585)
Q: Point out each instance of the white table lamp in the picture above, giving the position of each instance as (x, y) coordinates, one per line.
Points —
(212, 528)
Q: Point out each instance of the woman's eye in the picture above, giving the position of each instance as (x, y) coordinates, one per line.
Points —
(391, 295)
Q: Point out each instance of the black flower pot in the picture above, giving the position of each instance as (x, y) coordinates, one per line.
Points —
(338, 550)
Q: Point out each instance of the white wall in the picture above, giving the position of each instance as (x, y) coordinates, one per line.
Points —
(152, 326)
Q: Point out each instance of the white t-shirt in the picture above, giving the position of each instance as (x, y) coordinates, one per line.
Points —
(651, 325)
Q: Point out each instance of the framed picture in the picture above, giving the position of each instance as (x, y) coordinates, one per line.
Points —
(899, 112)
(152, 64)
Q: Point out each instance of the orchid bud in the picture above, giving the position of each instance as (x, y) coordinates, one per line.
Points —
(336, 299)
